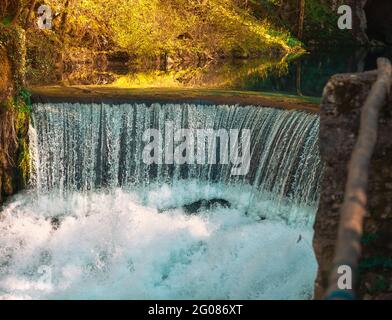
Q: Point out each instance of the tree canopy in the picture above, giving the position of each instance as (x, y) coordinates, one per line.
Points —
(152, 27)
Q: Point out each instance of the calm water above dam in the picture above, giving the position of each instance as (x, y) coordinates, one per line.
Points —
(304, 76)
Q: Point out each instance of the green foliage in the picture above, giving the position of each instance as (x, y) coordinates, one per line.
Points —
(22, 106)
(13, 141)
(155, 27)
(375, 262)
(150, 27)
(24, 162)
(293, 42)
(381, 284)
(320, 25)
(320, 20)
(43, 52)
(26, 105)
(368, 238)
(183, 29)
(7, 20)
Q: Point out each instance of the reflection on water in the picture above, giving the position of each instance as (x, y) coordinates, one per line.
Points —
(306, 75)
(236, 74)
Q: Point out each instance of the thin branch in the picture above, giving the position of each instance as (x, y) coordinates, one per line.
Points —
(348, 247)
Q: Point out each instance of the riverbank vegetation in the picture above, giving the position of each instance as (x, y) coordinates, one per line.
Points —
(145, 29)
(87, 35)
(14, 113)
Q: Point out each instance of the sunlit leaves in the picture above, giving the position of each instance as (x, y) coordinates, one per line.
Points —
(154, 27)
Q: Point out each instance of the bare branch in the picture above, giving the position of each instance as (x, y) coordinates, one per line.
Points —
(348, 248)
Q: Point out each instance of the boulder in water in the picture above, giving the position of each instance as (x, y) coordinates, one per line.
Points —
(203, 204)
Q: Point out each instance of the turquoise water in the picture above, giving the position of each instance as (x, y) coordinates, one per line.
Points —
(97, 223)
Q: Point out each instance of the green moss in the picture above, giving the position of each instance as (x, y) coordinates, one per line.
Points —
(24, 162)
(23, 109)
(18, 106)
(7, 20)
(24, 101)
(20, 121)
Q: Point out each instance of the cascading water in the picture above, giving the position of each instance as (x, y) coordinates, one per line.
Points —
(99, 222)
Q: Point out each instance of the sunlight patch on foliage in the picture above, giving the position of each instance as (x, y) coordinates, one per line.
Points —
(154, 27)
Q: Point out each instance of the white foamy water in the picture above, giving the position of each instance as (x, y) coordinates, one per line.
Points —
(118, 245)
(98, 223)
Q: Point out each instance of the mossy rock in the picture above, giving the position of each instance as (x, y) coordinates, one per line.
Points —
(14, 112)
(6, 85)
(13, 39)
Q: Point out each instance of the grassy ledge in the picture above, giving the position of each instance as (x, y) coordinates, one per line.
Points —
(98, 94)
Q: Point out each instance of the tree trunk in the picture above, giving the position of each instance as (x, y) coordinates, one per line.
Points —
(298, 71)
(17, 14)
(301, 19)
(64, 18)
(31, 10)
(63, 26)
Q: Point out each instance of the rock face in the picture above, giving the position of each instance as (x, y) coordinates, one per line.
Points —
(6, 86)
(13, 121)
(342, 100)
(6, 90)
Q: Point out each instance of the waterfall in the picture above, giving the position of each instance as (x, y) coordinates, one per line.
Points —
(90, 146)
(100, 223)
